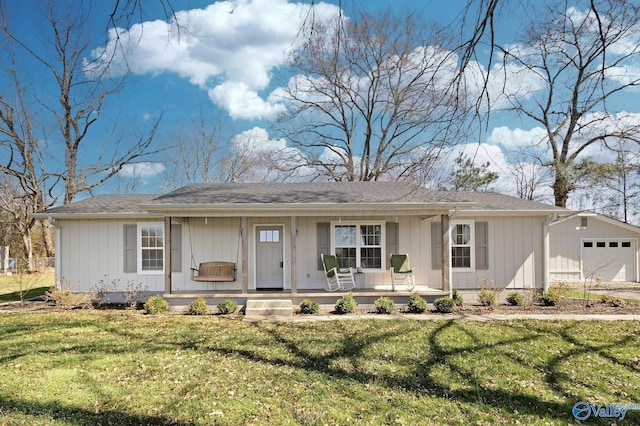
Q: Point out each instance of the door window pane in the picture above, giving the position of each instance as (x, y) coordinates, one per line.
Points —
(269, 235)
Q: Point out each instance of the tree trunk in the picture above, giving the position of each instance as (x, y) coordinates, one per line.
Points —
(28, 245)
(560, 190)
(47, 237)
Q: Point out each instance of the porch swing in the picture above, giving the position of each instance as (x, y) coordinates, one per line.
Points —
(212, 271)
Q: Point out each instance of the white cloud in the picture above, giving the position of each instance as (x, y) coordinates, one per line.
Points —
(257, 140)
(625, 75)
(144, 169)
(243, 102)
(229, 48)
(518, 138)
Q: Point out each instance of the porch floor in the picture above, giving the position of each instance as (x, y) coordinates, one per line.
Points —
(179, 300)
(266, 294)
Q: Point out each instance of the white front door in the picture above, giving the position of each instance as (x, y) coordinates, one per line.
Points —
(269, 258)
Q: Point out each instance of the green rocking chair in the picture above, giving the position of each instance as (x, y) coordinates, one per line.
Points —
(337, 279)
(401, 272)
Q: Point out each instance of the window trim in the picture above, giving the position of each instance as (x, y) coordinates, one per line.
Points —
(357, 224)
(471, 244)
(139, 248)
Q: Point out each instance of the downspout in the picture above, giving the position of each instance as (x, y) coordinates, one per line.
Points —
(56, 259)
(545, 252)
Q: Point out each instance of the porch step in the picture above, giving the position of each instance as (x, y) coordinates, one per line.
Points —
(258, 309)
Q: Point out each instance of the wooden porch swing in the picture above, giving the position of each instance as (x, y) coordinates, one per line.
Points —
(212, 271)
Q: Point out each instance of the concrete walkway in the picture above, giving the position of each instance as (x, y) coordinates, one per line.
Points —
(469, 317)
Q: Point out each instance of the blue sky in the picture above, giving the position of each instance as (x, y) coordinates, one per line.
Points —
(224, 62)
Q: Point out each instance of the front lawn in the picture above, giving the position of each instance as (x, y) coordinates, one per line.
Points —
(26, 285)
(107, 367)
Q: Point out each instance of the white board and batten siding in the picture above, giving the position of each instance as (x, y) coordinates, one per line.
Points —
(514, 255)
(94, 252)
(93, 256)
(592, 247)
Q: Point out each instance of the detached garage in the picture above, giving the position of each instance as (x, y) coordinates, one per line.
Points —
(587, 246)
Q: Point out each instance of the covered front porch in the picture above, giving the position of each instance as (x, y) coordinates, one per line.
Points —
(296, 257)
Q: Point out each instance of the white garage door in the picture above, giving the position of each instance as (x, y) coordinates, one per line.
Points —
(608, 259)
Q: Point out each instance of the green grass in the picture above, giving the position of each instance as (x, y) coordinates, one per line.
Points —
(32, 285)
(125, 368)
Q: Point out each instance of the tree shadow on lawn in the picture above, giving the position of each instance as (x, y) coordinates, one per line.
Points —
(81, 416)
(31, 293)
(422, 380)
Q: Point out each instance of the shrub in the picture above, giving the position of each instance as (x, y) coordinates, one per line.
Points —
(384, 305)
(515, 299)
(62, 298)
(156, 305)
(346, 304)
(227, 307)
(134, 293)
(487, 297)
(444, 305)
(550, 297)
(417, 304)
(613, 301)
(308, 306)
(457, 297)
(101, 292)
(198, 307)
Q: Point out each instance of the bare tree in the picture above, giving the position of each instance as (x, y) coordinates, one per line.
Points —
(48, 113)
(370, 99)
(196, 154)
(579, 57)
(618, 184)
(529, 176)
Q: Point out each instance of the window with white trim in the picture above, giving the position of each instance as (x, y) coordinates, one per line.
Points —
(150, 248)
(358, 245)
(462, 245)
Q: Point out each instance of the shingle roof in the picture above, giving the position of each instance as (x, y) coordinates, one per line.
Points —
(323, 194)
(106, 204)
(301, 193)
(493, 201)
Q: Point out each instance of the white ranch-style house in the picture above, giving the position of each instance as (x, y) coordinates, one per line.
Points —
(250, 240)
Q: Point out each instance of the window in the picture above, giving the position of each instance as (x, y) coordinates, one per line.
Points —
(269, 235)
(626, 244)
(588, 244)
(461, 245)
(613, 244)
(358, 245)
(469, 243)
(151, 248)
(601, 244)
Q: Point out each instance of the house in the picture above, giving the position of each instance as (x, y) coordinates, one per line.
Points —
(274, 234)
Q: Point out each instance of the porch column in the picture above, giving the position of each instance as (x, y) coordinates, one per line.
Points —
(446, 253)
(294, 257)
(245, 254)
(167, 255)
(545, 255)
